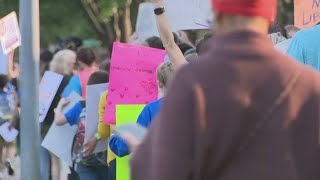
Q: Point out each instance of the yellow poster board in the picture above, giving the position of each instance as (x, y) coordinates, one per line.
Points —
(125, 114)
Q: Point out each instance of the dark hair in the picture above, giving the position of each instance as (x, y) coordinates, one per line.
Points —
(86, 55)
(184, 47)
(277, 28)
(105, 66)
(72, 43)
(98, 77)
(176, 38)
(190, 51)
(155, 42)
(202, 41)
(46, 56)
(3, 81)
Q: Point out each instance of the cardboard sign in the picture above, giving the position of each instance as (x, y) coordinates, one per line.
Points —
(48, 88)
(146, 25)
(132, 77)
(126, 114)
(306, 13)
(8, 135)
(4, 58)
(191, 14)
(59, 139)
(10, 33)
(94, 93)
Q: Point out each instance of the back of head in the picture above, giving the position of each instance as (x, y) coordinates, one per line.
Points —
(46, 56)
(164, 74)
(155, 42)
(202, 41)
(98, 77)
(86, 55)
(191, 57)
(277, 28)
(3, 81)
(184, 47)
(105, 66)
(61, 60)
(233, 15)
(291, 30)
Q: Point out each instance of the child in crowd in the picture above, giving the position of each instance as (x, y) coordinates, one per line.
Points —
(91, 166)
(8, 112)
(164, 73)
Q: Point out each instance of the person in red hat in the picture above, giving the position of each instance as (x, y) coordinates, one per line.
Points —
(242, 111)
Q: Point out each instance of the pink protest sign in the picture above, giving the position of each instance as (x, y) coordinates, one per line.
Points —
(10, 33)
(132, 77)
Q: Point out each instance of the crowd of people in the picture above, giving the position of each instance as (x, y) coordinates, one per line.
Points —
(243, 102)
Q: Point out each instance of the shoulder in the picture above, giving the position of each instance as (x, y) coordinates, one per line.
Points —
(75, 78)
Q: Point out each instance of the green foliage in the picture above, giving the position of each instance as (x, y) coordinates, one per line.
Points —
(62, 19)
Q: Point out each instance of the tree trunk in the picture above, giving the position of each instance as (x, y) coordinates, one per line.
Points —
(125, 25)
(116, 22)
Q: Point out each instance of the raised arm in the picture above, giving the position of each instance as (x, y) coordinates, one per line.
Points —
(173, 51)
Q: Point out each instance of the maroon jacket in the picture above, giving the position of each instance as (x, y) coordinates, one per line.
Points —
(213, 106)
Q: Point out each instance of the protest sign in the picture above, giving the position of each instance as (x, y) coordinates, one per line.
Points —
(132, 77)
(9, 135)
(185, 14)
(10, 33)
(182, 15)
(126, 114)
(306, 13)
(94, 93)
(48, 88)
(146, 25)
(4, 58)
(59, 139)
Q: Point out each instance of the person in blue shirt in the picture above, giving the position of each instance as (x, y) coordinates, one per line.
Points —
(92, 166)
(164, 73)
(305, 47)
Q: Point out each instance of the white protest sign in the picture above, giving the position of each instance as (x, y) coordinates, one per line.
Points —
(146, 25)
(205, 14)
(94, 93)
(8, 135)
(283, 46)
(182, 15)
(48, 88)
(10, 32)
(4, 63)
(59, 139)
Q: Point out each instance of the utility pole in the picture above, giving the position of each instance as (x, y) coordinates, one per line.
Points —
(29, 83)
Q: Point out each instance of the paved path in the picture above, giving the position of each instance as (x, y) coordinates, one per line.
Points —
(17, 171)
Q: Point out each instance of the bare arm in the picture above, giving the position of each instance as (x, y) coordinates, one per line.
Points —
(59, 117)
(173, 51)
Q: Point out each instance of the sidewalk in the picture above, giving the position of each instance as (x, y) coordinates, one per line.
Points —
(16, 171)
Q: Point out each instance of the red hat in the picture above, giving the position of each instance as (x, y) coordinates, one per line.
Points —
(263, 8)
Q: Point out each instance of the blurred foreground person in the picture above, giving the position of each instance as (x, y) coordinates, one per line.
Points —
(244, 112)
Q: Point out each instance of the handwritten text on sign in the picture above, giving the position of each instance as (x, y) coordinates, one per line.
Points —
(306, 13)
(132, 77)
(10, 33)
(47, 90)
